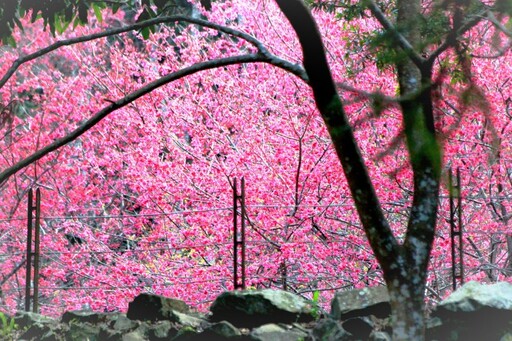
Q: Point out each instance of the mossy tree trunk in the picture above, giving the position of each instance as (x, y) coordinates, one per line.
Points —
(404, 264)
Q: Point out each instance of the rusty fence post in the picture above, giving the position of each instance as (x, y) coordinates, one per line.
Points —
(456, 232)
(37, 229)
(33, 228)
(28, 275)
(239, 236)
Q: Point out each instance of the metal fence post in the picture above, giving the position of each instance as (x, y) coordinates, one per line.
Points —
(37, 225)
(33, 227)
(28, 275)
(239, 236)
(456, 229)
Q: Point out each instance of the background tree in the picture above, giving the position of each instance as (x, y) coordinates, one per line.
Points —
(123, 174)
(422, 57)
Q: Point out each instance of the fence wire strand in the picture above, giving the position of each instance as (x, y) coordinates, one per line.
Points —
(301, 286)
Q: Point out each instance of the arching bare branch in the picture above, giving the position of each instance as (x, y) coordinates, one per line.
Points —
(122, 102)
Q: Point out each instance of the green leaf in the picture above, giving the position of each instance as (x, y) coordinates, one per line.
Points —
(145, 32)
(144, 15)
(76, 22)
(65, 24)
(7, 326)
(9, 40)
(18, 23)
(152, 14)
(34, 16)
(82, 12)
(58, 25)
(3, 318)
(97, 12)
(316, 296)
(68, 14)
(61, 24)
(207, 4)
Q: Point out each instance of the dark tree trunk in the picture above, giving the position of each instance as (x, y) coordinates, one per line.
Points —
(404, 266)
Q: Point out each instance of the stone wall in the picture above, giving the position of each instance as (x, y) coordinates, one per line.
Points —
(474, 312)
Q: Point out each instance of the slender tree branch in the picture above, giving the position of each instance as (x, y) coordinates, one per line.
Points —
(451, 40)
(236, 33)
(500, 26)
(114, 105)
(370, 95)
(402, 41)
(13, 271)
(376, 95)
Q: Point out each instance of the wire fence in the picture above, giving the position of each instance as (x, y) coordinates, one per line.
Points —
(87, 260)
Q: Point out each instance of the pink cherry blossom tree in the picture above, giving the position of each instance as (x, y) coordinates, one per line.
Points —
(132, 128)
